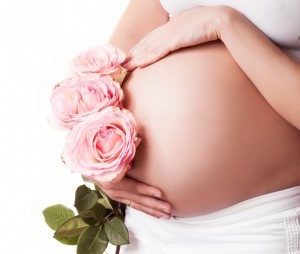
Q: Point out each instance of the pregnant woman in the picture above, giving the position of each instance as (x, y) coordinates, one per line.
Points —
(215, 88)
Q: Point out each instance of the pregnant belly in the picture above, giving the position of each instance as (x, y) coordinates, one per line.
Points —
(209, 139)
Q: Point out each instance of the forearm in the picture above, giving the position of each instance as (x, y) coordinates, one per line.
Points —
(275, 75)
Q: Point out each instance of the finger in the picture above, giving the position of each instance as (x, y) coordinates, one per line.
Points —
(127, 59)
(150, 211)
(159, 206)
(151, 58)
(138, 192)
(153, 203)
(140, 61)
(131, 65)
(146, 58)
(130, 185)
(146, 209)
(133, 186)
(130, 55)
(135, 57)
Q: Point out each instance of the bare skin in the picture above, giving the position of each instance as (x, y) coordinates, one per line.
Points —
(211, 137)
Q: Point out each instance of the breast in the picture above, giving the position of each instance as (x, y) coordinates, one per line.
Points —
(279, 20)
(208, 136)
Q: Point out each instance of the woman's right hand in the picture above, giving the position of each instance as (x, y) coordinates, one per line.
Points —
(138, 195)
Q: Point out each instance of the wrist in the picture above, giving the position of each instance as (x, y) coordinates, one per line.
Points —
(227, 18)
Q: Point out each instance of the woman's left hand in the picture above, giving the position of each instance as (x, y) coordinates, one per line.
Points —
(196, 26)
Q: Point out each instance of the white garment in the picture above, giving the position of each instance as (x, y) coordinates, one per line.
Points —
(266, 224)
(277, 19)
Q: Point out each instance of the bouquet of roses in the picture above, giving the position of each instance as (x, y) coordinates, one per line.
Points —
(100, 145)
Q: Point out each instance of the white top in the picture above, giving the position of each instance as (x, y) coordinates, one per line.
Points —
(277, 19)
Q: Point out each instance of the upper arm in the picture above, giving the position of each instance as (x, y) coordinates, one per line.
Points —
(139, 18)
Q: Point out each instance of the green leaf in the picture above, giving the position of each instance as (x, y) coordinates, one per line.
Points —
(105, 200)
(86, 214)
(93, 240)
(114, 204)
(67, 240)
(93, 218)
(72, 227)
(97, 187)
(99, 211)
(116, 231)
(98, 190)
(85, 198)
(105, 203)
(99, 194)
(56, 215)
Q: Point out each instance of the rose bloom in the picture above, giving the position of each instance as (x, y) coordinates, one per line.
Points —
(102, 146)
(103, 59)
(73, 99)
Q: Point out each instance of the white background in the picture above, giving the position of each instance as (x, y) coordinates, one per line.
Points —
(38, 38)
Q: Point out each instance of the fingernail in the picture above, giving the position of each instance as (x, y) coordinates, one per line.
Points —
(165, 210)
(166, 216)
(157, 195)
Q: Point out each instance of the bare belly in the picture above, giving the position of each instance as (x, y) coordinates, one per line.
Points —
(209, 139)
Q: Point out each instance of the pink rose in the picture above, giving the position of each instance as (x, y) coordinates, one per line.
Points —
(75, 98)
(102, 147)
(103, 59)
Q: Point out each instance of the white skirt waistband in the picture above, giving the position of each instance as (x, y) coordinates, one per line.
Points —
(266, 224)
